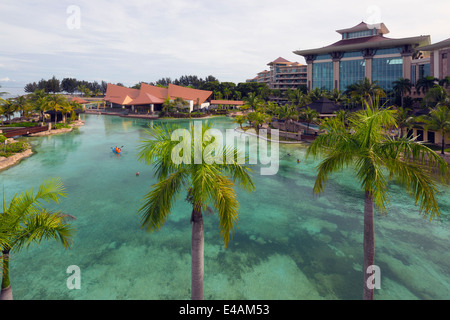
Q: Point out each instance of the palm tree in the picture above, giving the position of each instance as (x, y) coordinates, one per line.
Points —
(337, 96)
(298, 98)
(317, 94)
(404, 119)
(370, 153)
(8, 108)
(436, 94)
(227, 92)
(257, 119)
(26, 222)
(402, 86)
(206, 184)
(309, 116)
(364, 89)
(253, 101)
(56, 102)
(168, 106)
(240, 120)
(65, 109)
(426, 83)
(22, 105)
(438, 120)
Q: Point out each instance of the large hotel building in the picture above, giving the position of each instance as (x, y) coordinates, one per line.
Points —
(365, 52)
(282, 75)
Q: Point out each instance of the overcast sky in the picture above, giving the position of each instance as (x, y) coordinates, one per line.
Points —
(130, 41)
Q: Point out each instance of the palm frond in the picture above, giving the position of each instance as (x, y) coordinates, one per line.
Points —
(159, 201)
(42, 225)
(227, 205)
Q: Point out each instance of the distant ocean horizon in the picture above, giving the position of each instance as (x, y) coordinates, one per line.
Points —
(12, 92)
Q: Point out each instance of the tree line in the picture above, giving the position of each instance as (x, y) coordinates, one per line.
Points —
(68, 85)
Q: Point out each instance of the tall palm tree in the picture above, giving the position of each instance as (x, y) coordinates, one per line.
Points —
(404, 119)
(26, 222)
(168, 106)
(309, 116)
(253, 101)
(8, 108)
(22, 105)
(426, 83)
(370, 153)
(337, 96)
(240, 119)
(402, 86)
(207, 183)
(298, 98)
(57, 102)
(436, 94)
(438, 120)
(364, 89)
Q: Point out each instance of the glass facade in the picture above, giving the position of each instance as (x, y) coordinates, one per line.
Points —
(322, 75)
(388, 51)
(352, 54)
(386, 70)
(359, 34)
(323, 57)
(350, 72)
(424, 70)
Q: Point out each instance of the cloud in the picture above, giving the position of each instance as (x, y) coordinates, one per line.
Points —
(141, 40)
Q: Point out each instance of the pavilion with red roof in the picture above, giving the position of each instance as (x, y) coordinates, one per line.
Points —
(150, 98)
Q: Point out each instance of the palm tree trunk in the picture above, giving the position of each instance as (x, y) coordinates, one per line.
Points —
(368, 243)
(197, 251)
(6, 291)
(443, 142)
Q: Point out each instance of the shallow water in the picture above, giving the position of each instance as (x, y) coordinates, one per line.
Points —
(288, 244)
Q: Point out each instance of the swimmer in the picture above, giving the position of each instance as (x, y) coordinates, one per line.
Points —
(137, 174)
(298, 160)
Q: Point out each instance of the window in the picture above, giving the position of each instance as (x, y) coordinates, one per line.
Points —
(387, 70)
(388, 51)
(350, 72)
(323, 57)
(322, 75)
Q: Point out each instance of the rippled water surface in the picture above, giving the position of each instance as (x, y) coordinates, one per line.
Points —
(288, 244)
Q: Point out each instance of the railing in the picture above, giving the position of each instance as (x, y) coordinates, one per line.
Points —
(24, 131)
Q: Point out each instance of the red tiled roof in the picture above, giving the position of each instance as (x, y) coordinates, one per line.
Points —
(153, 95)
(279, 60)
(195, 95)
(79, 100)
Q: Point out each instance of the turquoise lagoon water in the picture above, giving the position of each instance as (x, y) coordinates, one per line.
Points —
(288, 244)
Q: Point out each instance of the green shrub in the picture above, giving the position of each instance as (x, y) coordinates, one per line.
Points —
(60, 126)
(12, 148)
